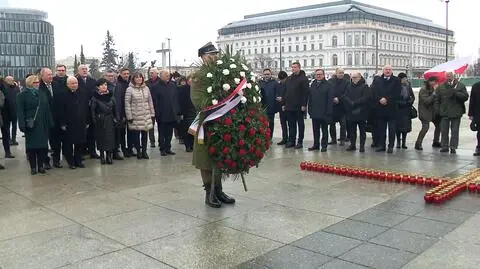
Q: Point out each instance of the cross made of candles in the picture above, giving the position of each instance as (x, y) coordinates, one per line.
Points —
(443, 189)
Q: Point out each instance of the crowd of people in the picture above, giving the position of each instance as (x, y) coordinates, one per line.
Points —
(114, 117)
(388, 103)
(107, 119)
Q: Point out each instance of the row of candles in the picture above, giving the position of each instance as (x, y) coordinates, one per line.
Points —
(388, 176)
(452, 188)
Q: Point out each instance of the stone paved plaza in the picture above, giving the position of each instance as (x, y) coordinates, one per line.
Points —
(150, 214)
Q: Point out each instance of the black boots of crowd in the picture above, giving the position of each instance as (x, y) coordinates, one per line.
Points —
(106, 157)
(214, 195)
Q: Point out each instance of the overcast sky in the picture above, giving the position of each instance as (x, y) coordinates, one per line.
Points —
(142, 25)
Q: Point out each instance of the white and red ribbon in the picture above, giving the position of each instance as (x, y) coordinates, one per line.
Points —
(223, 107)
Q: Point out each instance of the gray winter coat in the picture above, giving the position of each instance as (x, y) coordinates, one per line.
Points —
(139, 109)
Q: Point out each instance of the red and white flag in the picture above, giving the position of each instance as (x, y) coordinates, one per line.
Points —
(457, 66)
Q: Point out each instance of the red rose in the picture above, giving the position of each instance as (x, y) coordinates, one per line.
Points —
(261, 155)
(262, 119)
(262, 131)
(227, 137)
(212, 150)
(242, 152)
(267, 145)
(241, 143)
(248, 120)
(228, 121)
(266, 123)
(252, 163)
(242, 128)
(252, 132)
(233, 165)
(233, 111)
(219, 120)
(258, 141)
(258, 153)
(228, 161)
(252, 112)
(226, 150)
(219, 165)
(252, 149)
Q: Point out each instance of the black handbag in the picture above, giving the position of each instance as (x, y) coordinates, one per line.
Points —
(413, 112)
(474, 126)
(30, 123)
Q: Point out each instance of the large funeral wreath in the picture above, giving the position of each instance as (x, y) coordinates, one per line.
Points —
(237, 134)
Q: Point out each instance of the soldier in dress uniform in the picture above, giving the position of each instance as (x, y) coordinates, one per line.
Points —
(201, 158)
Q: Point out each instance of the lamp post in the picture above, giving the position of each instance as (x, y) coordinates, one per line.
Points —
(280, 48)
(169, 62)
(446, 30)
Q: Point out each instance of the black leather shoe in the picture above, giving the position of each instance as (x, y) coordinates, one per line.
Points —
(169, 152)
(42, 170)
(2, 167)
(71, 166)
(314, 148)
(145, 155)
(80, 165)
(476, 154)
(436, 145)
(13, 143)
(189, 149)
(299, 146)
(453, 151)
(33, 171)
(102, 158)
(380, 150)
(117, 156)
(444, 150)
(94, 156)
(46, 166)
(362, 149)
(282, 142)
(57, 165)
(9, 156)
(163, 153)
(390, 150)
(332, 143)
(289, 145)
(351, 148)
(323, 150)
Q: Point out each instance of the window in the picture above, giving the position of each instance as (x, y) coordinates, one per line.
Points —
(334, 42)
(275, 40)
(320, 62)
(312, 37)
(261, 42)
(276, 49)
(269, 50)
(255, 42)
(364, 40)
(349, 40)
(289, 39)
(357, 58)
(268, 41)
(305, 63)
(289, 48)
(320, 46)
(297, 38)
(297, 48)
(349, 59)
(261, 51)
(312, 62)
(373, 40)
(249, 43)
(320, 37)
(357, 40)
(304, 47)
(256, 51)
(334, 60)
(363, 59)
(304, 38)
(312, 47)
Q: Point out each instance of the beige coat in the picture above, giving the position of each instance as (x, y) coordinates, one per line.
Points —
(139, 108)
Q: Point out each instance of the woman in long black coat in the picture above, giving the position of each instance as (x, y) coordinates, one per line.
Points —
(33, 106)
(357, 106)
(188, 112)
(404, 120)
(104, 117)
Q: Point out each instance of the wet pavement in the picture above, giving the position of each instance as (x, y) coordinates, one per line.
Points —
(150, 214)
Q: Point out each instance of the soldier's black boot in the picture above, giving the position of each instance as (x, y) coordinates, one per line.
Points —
(210, 198)
(109, 157)
(222, 197)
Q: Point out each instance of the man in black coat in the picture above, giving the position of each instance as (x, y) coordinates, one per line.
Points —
(187, 111)
(123, 81)
(47, 87)
(73, 120)
(11, 91)
(153, 83)
(280, 91)
(268, 88)
(167, 112)
(87, 86)
(295, 98)
(474, 113)
(386, 92)
(340, 84)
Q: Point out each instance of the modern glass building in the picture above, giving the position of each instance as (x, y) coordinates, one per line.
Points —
(26, 42)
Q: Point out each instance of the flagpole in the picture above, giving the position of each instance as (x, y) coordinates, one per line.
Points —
(446, 30)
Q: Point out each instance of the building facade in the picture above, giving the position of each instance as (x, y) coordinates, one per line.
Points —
(26, 42)
(346, 34)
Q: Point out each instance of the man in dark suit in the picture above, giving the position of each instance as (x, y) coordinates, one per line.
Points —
(87, 86)
(46, 86)
(386, 92)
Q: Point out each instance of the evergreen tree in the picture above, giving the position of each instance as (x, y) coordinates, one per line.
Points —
(95, 69)
(82, 56)
(109, 60)
(131, 62)
(75, 65)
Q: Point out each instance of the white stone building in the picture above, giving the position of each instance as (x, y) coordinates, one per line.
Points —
(346, 34)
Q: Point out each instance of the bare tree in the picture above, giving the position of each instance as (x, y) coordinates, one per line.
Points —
(261, 61)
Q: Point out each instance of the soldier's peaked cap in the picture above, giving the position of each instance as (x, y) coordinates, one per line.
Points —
(207, 49)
